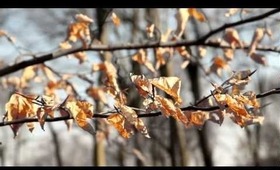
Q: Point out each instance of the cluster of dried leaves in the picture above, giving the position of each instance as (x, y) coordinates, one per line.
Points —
(241, 107)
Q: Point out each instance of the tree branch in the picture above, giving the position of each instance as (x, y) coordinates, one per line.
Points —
(200, 41)
(153, 114)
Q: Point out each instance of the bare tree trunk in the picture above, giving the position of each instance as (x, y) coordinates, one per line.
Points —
(2, 155)
(177, 134)
(193, 72)
(99, 153)
(56, 146)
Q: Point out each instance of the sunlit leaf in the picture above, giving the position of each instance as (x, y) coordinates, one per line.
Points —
(118, 121)
(81, 110)
(202, 51)
(65, 45)
(81, 56)
(168, 108)
(83, 18)
(150, 30)
(218, 65)
(142, 58)
(196, 14)
(182, 17)
(163, 53)
(19, 107)
(170, 85)
(232, 37)
(197, 118)
(97, 93)
(142, 84)
(116, 20)
(231, 12)
(131, 117)
(78, 30)
(258, 36)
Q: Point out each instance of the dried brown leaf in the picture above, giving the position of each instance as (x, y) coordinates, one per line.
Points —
(196, 14)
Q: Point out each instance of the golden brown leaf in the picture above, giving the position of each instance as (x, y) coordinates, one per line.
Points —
(116, 20)
(197, 118)
(118, 121)
(140, 126)
(182, 17)
(142, 84)
(65, 45)
(28, 74)
(81, 110)
(129, 114)
(218, 65)
(3, 33)
(240, 78)
(170, 85)
(231, 12)
(185, 64)
(184, 52)
(150, 105)
(19, 107)
(79, 30)
(259, 58)
(258, 36)
(111, 77)
(236, 107)
(141, 58)
(163, 53)
(168, 108)
(83, 18)
(97, 93)
(81, 56)
(196, 14)
(150, 30)
(202, 51)
(49, 104)
(131, 117)
(232, 37)
(229, 54)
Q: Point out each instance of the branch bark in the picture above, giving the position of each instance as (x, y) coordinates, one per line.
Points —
(152, 114)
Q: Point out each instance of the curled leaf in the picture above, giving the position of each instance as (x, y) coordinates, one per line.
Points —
(232, 37)
(197, 118)
(259, 58)
(81, 110)
(170, 85)
(19, 107)
(142, 84)
(118, 121)
(168, 108)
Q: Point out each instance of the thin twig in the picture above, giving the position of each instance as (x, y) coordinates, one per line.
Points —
(152, 114)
